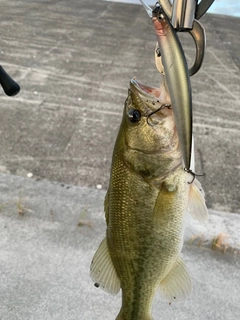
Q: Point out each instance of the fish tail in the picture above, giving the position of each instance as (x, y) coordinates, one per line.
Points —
(121, 317)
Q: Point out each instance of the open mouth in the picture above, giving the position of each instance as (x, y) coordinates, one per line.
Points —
(153, 98)
(145, 90)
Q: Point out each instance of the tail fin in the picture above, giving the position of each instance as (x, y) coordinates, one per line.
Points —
(121, 317)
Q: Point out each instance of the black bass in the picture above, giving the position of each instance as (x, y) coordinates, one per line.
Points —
(146, 204)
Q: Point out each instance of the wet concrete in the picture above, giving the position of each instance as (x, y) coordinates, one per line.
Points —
(74, 59)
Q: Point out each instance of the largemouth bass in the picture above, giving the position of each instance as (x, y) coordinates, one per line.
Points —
(145, 208)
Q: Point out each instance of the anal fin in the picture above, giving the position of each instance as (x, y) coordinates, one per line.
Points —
(177, 284)
(102, 270)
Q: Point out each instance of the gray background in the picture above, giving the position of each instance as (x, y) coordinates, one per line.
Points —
(73, 60)
(45, 254)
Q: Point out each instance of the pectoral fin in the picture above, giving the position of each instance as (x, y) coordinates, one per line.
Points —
(177, 284)
(196, 204)
(102, 270)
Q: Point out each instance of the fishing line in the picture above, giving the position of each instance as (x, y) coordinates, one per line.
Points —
(160, 108)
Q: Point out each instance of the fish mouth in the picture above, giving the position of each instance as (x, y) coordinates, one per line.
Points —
(158, 115)
(155, 99)
(158, 96)
(144, 90)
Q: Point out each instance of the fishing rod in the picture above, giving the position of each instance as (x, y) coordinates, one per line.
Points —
(10, 87)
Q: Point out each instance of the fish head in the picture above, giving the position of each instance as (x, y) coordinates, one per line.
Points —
(149, 122)
(150, 136)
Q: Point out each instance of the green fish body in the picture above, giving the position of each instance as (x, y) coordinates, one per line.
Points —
(145, 208)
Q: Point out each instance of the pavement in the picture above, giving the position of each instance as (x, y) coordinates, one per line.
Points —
(73, 60)
(49, 233)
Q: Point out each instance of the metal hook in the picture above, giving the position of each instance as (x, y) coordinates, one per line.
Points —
(193, 174)
(160, 108)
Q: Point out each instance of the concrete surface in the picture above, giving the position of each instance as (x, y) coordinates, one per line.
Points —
(74, 59)
(45, 255)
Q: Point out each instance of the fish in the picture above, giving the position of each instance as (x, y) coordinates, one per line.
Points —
(146, 207)
(177, 77)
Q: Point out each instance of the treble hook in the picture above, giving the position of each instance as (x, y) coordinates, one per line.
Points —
(193, 174)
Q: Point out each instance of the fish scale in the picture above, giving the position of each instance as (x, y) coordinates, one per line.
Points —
(145, 210)
(131, 237)
(136, 245)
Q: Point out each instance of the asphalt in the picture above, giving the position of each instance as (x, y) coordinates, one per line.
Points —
(74, 61)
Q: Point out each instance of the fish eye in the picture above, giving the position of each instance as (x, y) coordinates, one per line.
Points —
(134, 115)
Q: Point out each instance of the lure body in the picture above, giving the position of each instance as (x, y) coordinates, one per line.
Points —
(177, 80)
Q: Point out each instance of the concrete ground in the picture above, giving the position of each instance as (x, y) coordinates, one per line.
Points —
(49, 233)
(73, 60)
